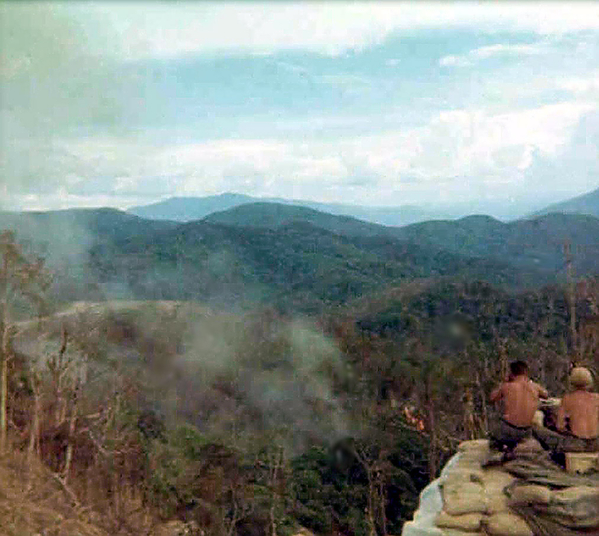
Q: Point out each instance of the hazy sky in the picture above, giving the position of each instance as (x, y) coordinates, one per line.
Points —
(376, 103)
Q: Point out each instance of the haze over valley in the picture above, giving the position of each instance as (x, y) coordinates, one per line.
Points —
(262, 264)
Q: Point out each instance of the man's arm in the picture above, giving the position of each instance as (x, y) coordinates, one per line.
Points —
(497, 394)
(543, 393)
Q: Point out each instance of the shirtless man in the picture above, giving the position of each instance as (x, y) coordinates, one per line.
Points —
(578, 414)
(520, 397)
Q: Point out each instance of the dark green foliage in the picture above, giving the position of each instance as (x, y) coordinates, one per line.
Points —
(331, 487)
(449, 312)
(532, 246)
(297, 267)
(192, 477)
(276, 215)
(150, 425)
(294, 257)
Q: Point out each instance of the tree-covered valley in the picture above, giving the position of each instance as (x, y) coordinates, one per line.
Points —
(273, 376)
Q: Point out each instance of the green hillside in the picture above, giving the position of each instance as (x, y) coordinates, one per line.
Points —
(294, 257)
(275, 215)
(297, 266)
(183, 412)
(536, 243)
(76, 229)
(203, 393)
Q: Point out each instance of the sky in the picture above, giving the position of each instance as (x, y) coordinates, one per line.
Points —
(490, 106)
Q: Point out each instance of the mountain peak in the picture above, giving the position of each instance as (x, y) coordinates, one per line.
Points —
(185, 209)
(276, 215)
(583, 204)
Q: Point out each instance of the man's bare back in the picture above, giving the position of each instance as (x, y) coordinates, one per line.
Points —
(520, 400)
(581, 408)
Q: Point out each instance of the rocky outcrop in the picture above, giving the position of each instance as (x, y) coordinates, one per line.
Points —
(469, 499)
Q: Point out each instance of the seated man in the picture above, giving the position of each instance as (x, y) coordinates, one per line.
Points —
(578, 414)
(520, 397)
(577, 419)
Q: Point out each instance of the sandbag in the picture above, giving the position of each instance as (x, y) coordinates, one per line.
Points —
(573, 508)
(464, 522)
(530, 494)
(543, 471)
(463, 498)
(507, 524)
(495, 482)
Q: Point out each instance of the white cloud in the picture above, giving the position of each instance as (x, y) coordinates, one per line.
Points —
(461, 154)
(455, 151)
(170, 29)
(583, 87)
(489, 51)
(473, 143)
(455, 61)
(508, 49)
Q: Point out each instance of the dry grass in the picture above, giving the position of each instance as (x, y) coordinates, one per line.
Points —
(33, 503)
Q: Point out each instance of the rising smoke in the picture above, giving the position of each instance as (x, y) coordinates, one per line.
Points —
(241, 379)
(54, 84)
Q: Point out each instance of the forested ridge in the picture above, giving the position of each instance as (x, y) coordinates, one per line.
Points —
(250, 381)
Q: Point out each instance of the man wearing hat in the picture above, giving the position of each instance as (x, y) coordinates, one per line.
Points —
(578, 414)
(577, 418)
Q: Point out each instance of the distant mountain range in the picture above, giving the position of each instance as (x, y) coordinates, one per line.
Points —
(186, 209)
(525, 244)
(583, 204)
(296, 257)
(291, 261)
(529, 243)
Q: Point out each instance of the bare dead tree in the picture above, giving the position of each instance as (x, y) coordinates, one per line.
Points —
(376, 468)
(483, 402)
(240, 506)
(571, 294)
(71, 432)
(469, 417)
(7, 355)
(34, 431)
(21, 280)
(276, 461)
(432, 427)
(59, 367)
